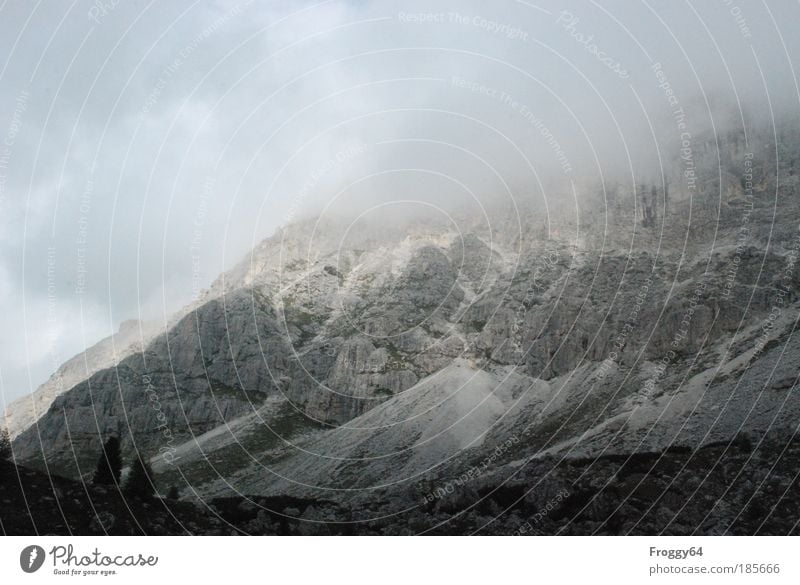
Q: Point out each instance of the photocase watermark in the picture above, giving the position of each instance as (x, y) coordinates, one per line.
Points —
(198, 227)
(621, 340)
(414, 17)
(31, 558)
(510, 32)
(527, 526)
(342, 156)
(6, 148)
(551, 261)
(329, 350)
(51, 319)
(744, 229)
(84, 209)
(739, 18)
(167, 451)
(679, 117)
(784, 288)
(352, 363)
(169, 72)
(664, 84)
(524, 111)
(472, 473)
(69, 563)
(650, 384)
(569, 22)
(95, 562)
(100, 10)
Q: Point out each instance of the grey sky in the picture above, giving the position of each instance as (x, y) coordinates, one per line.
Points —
(145, 147)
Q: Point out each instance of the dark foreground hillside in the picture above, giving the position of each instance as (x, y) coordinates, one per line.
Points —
(745, 487)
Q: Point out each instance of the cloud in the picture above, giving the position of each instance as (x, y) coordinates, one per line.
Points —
(159, 144)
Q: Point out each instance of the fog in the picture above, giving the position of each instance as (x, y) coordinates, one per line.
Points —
(148, 146)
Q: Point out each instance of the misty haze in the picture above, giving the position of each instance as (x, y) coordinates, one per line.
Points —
(397, 268)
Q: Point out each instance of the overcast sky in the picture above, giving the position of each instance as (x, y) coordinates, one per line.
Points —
(145, 147)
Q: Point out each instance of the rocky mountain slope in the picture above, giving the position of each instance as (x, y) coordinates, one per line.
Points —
(740, 487)
(131, 337)
(346, 361)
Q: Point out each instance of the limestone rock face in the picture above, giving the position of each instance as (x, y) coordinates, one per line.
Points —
(417, 350)
(333, 336)
(130, 338)
(186, 381)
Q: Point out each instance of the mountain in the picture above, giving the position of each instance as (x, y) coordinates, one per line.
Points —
(371, 363)
(131, 337)
(736, 487)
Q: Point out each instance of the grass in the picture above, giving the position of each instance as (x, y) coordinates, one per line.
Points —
(478, 325)
(219, 389)
(252, 444)
(298, 264)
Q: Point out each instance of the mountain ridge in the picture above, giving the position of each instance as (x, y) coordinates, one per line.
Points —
(262, 384)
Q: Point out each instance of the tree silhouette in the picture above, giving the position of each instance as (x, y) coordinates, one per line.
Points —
(5, 445)
(109, 465)
(139, 483)
(647, 204)
(5, 453)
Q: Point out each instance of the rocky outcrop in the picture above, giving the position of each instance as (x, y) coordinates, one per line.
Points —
(332, 341)
(334, 359)
(131, 337)
(210, 367)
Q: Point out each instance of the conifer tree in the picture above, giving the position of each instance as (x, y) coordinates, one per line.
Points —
(139, 483)
(109, 464)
